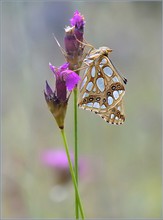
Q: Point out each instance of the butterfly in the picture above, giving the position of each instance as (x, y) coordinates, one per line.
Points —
(102, 87)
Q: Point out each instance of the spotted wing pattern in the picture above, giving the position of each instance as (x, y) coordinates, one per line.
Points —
(114, 115)
(102, 89)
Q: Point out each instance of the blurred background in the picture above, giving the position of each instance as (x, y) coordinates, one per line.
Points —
(121, 177)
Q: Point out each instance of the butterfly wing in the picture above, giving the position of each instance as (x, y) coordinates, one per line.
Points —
(114, 115)
(101, 88)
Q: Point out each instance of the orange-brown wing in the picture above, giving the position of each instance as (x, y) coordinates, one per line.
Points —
(101, 88)
(114, 115)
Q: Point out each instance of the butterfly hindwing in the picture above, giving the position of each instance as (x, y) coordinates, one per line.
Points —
(114, 115)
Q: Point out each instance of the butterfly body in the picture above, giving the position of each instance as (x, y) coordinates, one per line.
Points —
(102, 87)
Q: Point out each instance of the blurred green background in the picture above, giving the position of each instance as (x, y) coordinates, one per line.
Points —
(124, 178)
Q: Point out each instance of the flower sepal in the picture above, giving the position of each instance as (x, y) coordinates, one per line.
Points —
(57, 108)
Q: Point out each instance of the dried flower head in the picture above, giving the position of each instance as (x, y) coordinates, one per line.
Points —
(57, 99)
(73, 40)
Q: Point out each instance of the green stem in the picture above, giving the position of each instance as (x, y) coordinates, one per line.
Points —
(72, 173)
(76, 150)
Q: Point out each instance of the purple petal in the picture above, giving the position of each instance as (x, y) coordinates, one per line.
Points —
(71, 79)
(48, 89)
(77, 20)
(53, 68)
(61, 89)
(63, 67)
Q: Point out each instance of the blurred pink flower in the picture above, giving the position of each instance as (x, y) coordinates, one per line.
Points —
(56, 158)
(57, 161)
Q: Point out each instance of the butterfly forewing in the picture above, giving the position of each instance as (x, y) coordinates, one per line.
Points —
(101, 88)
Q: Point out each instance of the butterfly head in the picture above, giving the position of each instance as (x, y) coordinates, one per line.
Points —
(96, 53)
(104, 50)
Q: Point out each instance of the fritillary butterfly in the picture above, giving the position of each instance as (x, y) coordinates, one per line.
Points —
(102, 87)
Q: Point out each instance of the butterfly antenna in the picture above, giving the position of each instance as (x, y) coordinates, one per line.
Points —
(81, 68)
(122, 77)
(61, 48)
(85, 44)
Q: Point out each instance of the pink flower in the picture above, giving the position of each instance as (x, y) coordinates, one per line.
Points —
(56, 158)
(77, 20)
(65, 80)
(57, 161)
(57, 98)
